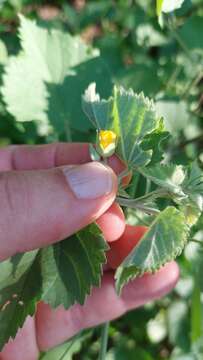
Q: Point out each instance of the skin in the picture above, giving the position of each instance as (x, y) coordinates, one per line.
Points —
(123, 246)
(27, 173)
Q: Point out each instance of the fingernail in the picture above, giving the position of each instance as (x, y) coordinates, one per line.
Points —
(89, 181)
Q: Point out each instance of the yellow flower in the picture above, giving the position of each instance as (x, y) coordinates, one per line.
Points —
(106, 138)
(106, 142)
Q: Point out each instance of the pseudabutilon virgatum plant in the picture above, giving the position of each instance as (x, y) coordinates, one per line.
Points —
(106, 142)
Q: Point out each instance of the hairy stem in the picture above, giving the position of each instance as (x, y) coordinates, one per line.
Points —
(147, 197)
(104, 341)
(133, 204)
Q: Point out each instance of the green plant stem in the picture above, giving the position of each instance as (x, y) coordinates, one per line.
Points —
(147, 197)
(148, 186)
(135, 205)
(172, 79)
(198, 138)
(68, 132)
(192, 84)
(196, 314)
(104, 341)
(181, 43)
(176, 36)
(197, 242)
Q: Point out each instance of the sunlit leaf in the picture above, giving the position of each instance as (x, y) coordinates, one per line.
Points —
(131, 116)
(164, 240)
(46, 59)
(71, 267)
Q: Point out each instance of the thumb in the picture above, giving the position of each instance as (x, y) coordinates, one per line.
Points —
(42, 207)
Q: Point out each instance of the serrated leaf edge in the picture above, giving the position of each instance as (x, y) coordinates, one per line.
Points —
(173, 256)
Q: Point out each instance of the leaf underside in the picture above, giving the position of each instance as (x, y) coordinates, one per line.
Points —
(169, 177)
(163, 242)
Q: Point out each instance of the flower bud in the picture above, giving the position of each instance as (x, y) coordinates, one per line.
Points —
(106, 142)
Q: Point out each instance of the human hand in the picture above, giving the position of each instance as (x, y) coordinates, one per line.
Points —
(38, 187)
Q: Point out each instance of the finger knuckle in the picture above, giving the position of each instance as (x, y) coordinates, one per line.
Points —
(14, 194)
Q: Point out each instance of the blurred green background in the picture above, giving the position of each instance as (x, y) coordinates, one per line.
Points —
(166, 63)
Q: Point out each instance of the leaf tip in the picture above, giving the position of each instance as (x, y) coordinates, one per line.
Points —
(90, 94)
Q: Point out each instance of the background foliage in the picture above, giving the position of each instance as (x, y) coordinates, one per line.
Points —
(123, 44)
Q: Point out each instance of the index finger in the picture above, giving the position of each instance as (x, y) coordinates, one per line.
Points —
(38, 157)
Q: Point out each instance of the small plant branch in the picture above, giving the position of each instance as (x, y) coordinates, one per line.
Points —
(133, 204)
(198, 138)
(148, 210)
(148, 186)
(197, 242)
(172, 79)
(149, 197)
(192, 84)
(104, 341)
(172, 29)
(68, 132)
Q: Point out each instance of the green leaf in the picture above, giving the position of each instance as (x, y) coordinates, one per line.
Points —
(193, 183)
(14, 268)
(98, 111)
(178, 324)
(197, 349)
(122, 192)
(65, 351)
(129, 115)
(196, 314)
(141, 77)
(190, 33)
(20, 285)
(53, 54)
(62, 274)
(164, 240)
(133, 117)
(71, 267)
(93, 153)
(169, 177)
(156, 142)
(64, 103)
(193, 188)
(159, 4)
